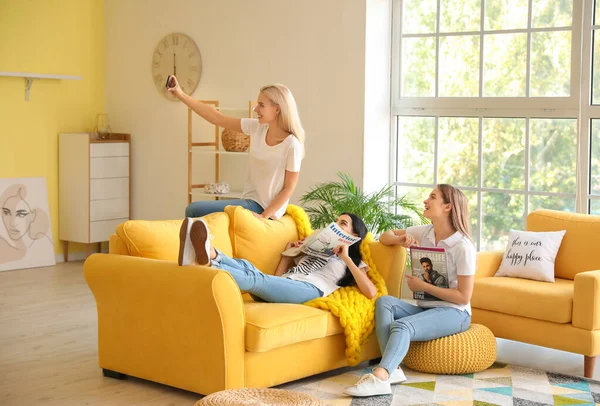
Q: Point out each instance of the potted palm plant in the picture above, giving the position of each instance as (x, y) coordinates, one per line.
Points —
(380, 210)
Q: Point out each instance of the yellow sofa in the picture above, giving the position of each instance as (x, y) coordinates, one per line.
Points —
(191, 327)
(564, 315)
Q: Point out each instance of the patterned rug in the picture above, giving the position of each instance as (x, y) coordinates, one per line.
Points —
(499, 385)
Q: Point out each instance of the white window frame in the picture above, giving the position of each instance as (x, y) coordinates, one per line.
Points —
(587, 111)
(576, 106)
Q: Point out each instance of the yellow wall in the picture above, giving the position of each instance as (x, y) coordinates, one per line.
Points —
(56, 37)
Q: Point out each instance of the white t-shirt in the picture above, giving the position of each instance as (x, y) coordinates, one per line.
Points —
(325, 278)
(267, 165)
(461, 255)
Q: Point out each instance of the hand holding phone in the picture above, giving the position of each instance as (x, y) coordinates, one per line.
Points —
(169, 84)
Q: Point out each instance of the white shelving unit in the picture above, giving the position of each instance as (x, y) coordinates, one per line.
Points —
(30, 77)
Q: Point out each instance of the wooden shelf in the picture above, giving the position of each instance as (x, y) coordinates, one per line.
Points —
(211, 147)
(30, 77)
(222, 152)
(232, 194)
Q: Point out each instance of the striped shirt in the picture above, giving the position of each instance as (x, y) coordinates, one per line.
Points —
(322, 273)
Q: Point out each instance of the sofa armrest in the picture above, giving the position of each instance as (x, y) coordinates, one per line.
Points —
(586, 300)
(117, 246)
(391, 264)
(488, 263)
(168, 324)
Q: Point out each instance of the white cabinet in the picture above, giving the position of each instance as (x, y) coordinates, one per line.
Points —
(94, 186)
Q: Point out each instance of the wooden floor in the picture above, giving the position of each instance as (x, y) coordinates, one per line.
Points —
(48, 341)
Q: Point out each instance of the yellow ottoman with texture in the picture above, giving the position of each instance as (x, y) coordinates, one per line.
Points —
(463, 353)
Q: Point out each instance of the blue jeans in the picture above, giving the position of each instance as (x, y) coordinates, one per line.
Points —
(269, 288)
(204, 207)
(397, 323)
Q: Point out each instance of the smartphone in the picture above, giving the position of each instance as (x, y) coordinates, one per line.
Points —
(168, 80)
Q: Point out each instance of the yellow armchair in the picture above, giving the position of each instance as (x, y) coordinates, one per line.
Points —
(564, 315)
(191, 327)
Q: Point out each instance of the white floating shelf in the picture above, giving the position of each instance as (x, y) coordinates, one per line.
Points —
(30, 77)
(232, 195)
(222, 152)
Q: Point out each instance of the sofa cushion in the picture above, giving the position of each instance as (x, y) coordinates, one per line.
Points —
(160, 239)
(259, 241)
(531, 255)
(274, 325)
(526, 298)
(579, 248)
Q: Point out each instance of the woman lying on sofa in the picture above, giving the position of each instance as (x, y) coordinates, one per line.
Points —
(310, 278)
(397, 323)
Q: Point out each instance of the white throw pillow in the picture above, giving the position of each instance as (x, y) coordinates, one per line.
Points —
(531, 255)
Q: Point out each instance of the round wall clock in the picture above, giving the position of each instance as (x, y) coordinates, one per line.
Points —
(176, 54)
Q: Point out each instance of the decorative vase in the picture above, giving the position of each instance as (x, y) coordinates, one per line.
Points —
(102, 127)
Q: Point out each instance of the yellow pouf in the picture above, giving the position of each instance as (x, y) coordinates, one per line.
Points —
(255, 397)
(463, 353)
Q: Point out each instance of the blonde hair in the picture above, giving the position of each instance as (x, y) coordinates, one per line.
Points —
(459, 215)
(288, 118)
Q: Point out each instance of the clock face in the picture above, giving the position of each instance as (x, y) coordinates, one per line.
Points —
(176, 54)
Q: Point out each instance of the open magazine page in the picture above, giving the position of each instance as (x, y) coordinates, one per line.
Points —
(322, 242)
(429, 265)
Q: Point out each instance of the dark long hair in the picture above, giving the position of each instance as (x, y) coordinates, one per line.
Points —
(360, 229)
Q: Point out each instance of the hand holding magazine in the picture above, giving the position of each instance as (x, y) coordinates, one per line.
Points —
(322, 242)
(430, 265)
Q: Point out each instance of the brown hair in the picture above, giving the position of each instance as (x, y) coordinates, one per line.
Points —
(459, 215)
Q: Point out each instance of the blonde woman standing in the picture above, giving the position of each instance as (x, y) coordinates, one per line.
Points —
(397, 322)
(276, 151)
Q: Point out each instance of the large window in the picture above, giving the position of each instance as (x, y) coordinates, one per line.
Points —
(489, 95)
(485, 48)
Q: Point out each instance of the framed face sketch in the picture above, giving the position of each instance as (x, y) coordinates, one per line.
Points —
(25, 232)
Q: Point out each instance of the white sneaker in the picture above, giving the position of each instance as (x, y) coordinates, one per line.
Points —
(187, 256)
(397, 376)
(200, 238)
(369, 385)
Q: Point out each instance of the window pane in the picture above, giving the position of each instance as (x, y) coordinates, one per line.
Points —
(595, 159)
(504, 153)
(596, 72)
(416, 138)
(597, 18)
(418, 67)
(419, 16)
(553, 155)
(458, 151)
(505, 62)
(506, 14)
(471, 196)
(550, 64)
(414, 195)
(552, 202)
(595, 206)
(460, 15)
(501, 213)
(459, 66)
(552, 13)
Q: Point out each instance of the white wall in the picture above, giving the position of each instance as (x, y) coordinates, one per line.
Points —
(316, 47)
(377, 109)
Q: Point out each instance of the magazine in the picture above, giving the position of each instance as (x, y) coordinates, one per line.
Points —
(322, 242)
(429, 265)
